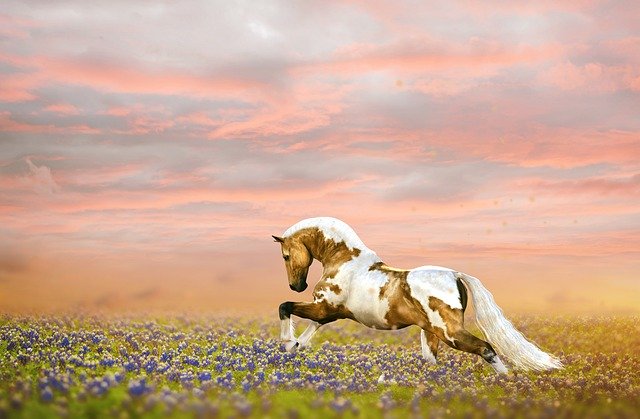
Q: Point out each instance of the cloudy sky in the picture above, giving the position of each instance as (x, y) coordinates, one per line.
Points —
(149, 149)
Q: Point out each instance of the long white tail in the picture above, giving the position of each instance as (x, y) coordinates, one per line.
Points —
(502, 335)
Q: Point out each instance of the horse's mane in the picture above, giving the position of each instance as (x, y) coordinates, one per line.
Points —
(332, 228)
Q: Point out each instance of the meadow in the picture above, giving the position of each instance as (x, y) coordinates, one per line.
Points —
(197, 366)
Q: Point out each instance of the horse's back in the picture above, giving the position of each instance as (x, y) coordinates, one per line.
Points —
(437, 282)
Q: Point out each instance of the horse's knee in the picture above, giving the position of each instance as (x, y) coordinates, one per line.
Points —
(285, 310)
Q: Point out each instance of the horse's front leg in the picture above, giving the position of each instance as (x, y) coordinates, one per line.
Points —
(286, 327)
(308, 333)
(319, 312)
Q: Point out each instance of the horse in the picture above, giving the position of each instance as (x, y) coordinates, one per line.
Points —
(357, 285)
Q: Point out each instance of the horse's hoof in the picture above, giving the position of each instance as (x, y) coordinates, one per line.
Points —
(291, 345)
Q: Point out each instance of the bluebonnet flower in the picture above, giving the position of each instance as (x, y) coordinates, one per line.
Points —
(191, 361)
(46, 394)
(138, 387)
(150, 366)
(204, 376)
(64, 342)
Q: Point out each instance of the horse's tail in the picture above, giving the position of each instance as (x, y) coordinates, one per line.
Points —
(502, 335)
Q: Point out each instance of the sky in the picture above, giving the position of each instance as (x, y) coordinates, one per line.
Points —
(148, 150)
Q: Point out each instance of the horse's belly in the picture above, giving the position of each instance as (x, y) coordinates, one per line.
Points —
(372, 318)
(366, 305)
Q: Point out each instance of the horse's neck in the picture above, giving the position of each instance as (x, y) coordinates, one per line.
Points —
(333, 254)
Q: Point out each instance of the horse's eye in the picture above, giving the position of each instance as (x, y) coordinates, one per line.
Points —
(285, 257)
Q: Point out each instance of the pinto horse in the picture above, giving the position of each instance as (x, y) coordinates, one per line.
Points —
(356, 284)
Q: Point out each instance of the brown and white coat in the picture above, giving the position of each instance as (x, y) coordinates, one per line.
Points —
(357, 285)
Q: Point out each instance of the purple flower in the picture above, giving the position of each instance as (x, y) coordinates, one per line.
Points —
(191, 361)
(46, 394)
(150, 366)
(138, 387)
(204, 376)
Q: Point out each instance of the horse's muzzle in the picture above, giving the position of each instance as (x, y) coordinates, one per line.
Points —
(299, 287)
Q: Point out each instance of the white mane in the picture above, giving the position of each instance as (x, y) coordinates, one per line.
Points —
(332, 228)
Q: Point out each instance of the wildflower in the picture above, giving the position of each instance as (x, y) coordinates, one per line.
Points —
(138, 387)
(204, 376)
(46, 394)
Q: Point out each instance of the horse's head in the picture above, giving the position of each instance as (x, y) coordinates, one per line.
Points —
(297, 260)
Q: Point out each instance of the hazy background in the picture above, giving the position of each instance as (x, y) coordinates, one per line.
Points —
(149, 149)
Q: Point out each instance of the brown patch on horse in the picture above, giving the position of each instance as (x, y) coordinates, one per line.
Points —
(404, 310)
(432, 342)
(334, 288)
(325, 250)
(323, 286)
(453, 318)
(460, 338)
(321, 311)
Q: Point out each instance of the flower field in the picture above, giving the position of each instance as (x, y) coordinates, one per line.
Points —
(91, 366)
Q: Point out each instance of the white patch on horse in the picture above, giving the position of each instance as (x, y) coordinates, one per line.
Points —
(434, 281)
(369, 309)
(329, 295)
(287, 334)
(436, 321)
(286, 329)
(332, 229)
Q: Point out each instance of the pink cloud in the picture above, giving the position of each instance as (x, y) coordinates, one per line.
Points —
(15, 28)
(143, 125)
(98, 177)
(593, 77)
(15, 94)
(199, 119)
(112, 77)
(542, 146)
(106, 76)
(119, 111)
(62, 109)
(8, 124)
(424, 54)
(626, 186)
(306, 107)
(17, 87)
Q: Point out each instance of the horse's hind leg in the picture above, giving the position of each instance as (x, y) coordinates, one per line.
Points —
(465, 341)
(448, 325)
(429, 343)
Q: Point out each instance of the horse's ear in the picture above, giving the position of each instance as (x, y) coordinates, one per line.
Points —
(278, 239)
